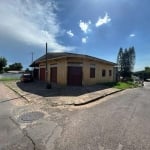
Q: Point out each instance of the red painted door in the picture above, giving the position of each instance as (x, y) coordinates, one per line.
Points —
(54, 74)
(42, 74)
(75, 76)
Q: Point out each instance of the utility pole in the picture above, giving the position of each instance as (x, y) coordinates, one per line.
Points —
(32, 57)
(32, 64)
(46, 65)
(48, 85)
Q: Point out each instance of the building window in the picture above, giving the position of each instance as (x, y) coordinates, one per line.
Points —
(103, 73)
(92, 72)
(110, 73)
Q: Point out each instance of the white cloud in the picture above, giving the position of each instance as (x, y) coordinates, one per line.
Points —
(102, 21)
(84, 26)
(70, 33)
(84, 39)
(32, 22)
(132, 35)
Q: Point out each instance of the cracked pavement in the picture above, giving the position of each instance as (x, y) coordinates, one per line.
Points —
(117, 122)
(17, 134)
(11, 136)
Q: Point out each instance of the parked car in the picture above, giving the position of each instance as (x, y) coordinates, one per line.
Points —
(147, 80)
(26, 77)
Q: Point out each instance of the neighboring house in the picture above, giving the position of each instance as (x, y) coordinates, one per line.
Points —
(74, 69)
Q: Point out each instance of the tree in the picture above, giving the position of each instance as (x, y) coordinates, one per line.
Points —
(3, 63)
(126, 62)
(147, 69)
(147, 73)
(27, 70)
(119, 59)
(143, 74)
(132, 58)
(15, 66)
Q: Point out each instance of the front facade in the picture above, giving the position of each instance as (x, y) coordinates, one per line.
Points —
(75, 69)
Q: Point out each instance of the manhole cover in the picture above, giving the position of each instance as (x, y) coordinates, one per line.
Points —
(31, 116)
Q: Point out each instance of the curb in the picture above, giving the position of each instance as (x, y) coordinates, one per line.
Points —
(17, 93)
(73, 104)
(95, 99)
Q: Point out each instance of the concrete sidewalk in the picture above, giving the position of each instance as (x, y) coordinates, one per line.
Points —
(93, 96)
(36, 93)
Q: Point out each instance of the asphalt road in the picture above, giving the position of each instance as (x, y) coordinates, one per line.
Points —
(117, 122)
(122, 122)
(11, 136)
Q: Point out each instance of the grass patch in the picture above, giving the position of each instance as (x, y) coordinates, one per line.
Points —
(9, 79)
(121, 85)
(125, 85)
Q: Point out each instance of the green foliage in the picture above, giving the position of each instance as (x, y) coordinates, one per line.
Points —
(119, 59)
(125, 85)
(147, 69)
(9, 79)
(3, 63)
(27, 70)
(144, 74)
(121, 85)
(6, 69)
(126, 62)
(15, 66)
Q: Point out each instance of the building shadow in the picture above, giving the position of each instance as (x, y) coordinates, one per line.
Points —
(39, 88)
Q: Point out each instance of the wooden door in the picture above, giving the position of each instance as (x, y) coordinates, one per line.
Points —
(42, 74)
(74, 76)
(53, 77)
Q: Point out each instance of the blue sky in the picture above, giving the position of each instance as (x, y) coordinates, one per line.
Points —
(94, 27)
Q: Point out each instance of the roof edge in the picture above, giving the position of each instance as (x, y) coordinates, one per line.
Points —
(66, 54)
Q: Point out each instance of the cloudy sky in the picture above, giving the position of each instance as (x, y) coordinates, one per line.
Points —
(94, 27)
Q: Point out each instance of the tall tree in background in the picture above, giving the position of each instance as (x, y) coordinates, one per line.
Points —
(15, 66)
(3, 63)
(132, 58)
(119, 59)
(126, 62)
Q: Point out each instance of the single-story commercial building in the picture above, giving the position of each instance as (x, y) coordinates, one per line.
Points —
(74, 69)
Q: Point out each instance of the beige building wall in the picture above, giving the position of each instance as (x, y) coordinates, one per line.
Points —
(61, 70)
(62, 65)
(98, 72)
